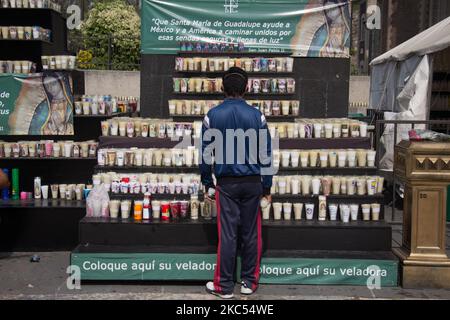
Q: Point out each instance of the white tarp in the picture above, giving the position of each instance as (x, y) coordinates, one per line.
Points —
(388, 80)
(432, 40)
(401, 83)
(412, 104)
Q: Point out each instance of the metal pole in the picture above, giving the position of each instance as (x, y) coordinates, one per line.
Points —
(377, 145)
(109, 51)
(394, 181)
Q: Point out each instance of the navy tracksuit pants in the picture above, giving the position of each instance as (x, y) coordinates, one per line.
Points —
(238, 205)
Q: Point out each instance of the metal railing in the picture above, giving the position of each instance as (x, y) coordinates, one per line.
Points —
(442, 126)
(106, 52)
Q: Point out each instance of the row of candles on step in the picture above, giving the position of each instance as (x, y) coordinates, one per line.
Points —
(48, 148)
(17, 67)
(150, 209)
(360, 158)
(130, 183)
(328, 185)
(309, 211)
(153, 128)
(32, 4)
(202, 107)
(63, 62)
(166, 210)
(304, 128)
(283, 185)
(48, 63)
(318, 128)
(58, 191)
(208, 85)
(25, 33)
(220, 64)
(127, 183)
(281, 158)
(105, 105)
(188, 157)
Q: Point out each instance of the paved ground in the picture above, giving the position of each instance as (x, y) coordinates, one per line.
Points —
(21, 279)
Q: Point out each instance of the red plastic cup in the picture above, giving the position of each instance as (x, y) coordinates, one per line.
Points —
(165, 211)
(175, 209)
(48, 149)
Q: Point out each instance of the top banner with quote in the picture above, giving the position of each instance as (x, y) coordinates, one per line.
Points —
(307, 28)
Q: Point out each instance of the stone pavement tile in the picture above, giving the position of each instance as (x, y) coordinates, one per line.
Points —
(325, 293)
(20, 279)
(19, 276)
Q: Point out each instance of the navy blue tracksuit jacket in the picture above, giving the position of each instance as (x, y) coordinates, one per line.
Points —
(236, 134)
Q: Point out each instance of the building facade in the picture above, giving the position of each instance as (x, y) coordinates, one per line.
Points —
(400, 21)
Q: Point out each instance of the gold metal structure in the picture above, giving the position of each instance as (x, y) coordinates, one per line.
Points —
(424, 168)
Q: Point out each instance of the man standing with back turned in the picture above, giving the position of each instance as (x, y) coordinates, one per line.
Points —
(236, 135)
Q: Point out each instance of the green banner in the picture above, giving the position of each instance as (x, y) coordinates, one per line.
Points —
(38, 104)
(308, 28)
(167, 267)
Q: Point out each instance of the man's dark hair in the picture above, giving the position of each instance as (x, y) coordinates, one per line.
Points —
(235, 82)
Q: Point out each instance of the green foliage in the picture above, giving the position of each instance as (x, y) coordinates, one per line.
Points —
(116, 23)
(84, 59)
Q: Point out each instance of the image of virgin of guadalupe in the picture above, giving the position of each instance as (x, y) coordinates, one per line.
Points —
(44, 106)
(324, 31)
